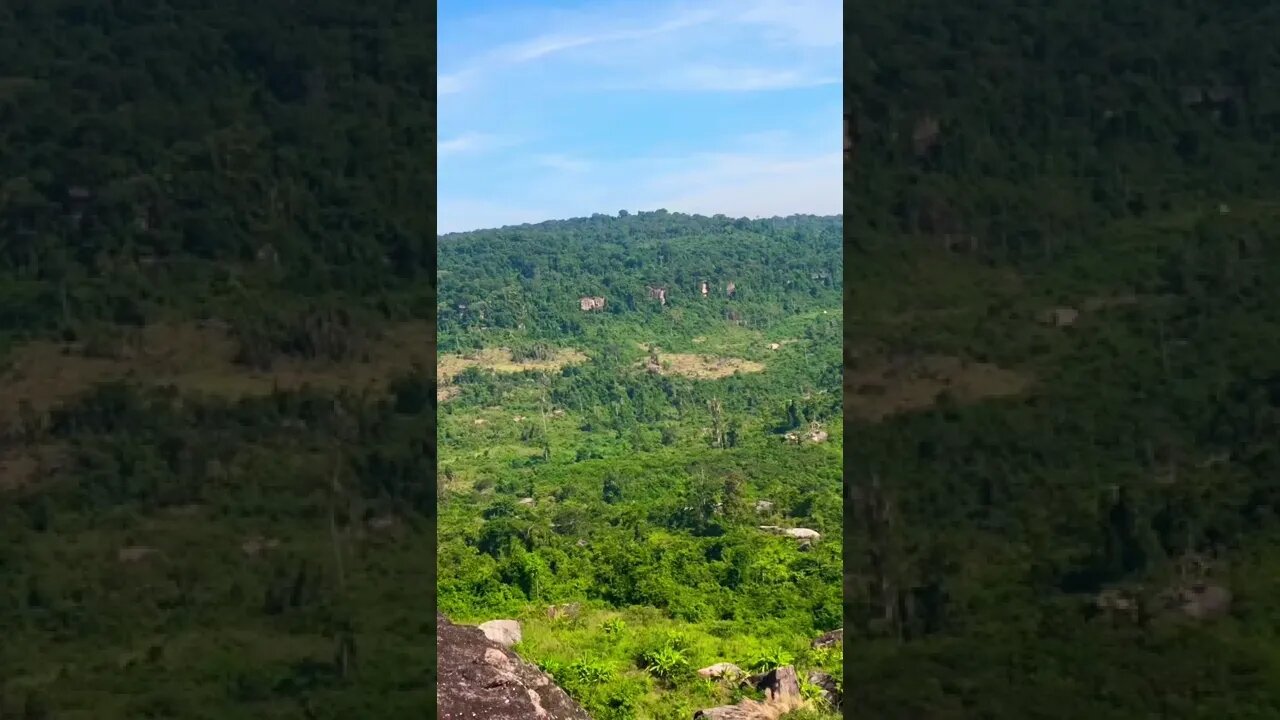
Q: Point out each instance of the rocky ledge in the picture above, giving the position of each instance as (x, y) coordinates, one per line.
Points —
(479, 678)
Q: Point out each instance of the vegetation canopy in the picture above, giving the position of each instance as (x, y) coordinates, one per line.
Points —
(619, 477)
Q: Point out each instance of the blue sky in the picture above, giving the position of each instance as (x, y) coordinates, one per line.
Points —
(552, 109)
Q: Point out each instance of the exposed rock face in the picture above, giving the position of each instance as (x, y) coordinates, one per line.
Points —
(781, 686)
(659, 294)
(1204, 602)
(797, 533)
(924, 137)
(829, 639)
(781, 689)
(830, 691)
(503, 632)
(478, 679)
(1060, 317)
(719, 670)
(134, 553)
(745, 710)
(257, 544)
(730, 289)
(590, 304)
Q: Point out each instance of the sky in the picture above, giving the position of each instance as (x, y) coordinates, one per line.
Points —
(551, 109)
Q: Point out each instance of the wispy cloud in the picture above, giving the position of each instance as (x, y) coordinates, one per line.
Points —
(810, 23)
(763, 174)
(461, 214)
(472, 142)
(628, 49)
(753, 185)
(563, 163)
(700, 106)
(710, 78)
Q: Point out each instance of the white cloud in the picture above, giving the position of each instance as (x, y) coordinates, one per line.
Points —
(709, 78)
(683, 50)
(531, 83)
(737, 184)
(563, 163)
(741, 185)
(808, 23)
(450, 84)
(471, 143)
(463, 214)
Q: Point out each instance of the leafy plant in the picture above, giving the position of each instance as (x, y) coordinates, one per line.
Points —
(770, 659)
(813, 692)
(666, 662)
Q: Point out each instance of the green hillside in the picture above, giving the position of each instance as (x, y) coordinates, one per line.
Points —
(604, 473)
(214, 255)
(1068, 209)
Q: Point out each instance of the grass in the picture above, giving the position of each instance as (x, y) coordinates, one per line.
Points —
(882, 387)
(705, 367)
(600, 654)
(501, 360)
(194, 357)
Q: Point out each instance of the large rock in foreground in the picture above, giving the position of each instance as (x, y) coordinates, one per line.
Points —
(478, 678)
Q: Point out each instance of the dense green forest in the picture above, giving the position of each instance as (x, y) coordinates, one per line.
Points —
(1062, 218)
(214, 254)
(175, 158)
(618, 478)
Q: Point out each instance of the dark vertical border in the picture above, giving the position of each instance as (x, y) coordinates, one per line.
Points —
(848, 507)
(429, 205)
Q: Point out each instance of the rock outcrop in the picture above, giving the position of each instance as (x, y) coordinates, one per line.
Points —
(745, 710)
(721, 670)
(828, 639)
(503, 632)
(1060, 316)
(477, 678)
(781, 688)
(830, 690)
(1202, 601)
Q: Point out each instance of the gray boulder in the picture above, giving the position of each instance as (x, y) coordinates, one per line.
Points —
(504, 632)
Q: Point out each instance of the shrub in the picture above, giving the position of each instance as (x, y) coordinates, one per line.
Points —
(668, 661)
(772, 658)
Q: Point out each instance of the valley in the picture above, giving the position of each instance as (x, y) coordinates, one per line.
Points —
(612, 492)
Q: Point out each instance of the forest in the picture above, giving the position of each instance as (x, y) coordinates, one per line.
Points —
(1062, 225)
(620, 479)
(215, 261)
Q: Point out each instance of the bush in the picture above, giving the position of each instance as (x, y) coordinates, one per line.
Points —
(772, 658)
(668, 661)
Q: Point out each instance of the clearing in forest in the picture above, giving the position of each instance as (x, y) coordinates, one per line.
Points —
(502, 360)
(704, 367)
(888, 386)
(21, 466)
(195, 357)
